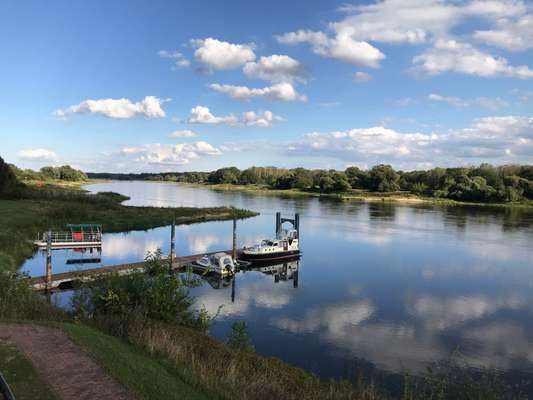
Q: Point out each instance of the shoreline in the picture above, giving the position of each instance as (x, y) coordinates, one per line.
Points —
(408, 199)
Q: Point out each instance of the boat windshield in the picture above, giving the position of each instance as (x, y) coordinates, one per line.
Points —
(267, 242)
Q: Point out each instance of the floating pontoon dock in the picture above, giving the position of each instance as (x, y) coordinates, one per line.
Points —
(78, 236)
(66, 280)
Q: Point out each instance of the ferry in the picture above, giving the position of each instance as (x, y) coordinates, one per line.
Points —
(285, 246)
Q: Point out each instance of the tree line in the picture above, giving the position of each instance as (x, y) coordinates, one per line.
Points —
(63, 173)
(483, 183)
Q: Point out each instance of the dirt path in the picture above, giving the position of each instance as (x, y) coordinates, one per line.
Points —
(71, 373)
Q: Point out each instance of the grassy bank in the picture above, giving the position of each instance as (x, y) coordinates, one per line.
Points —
(357, 195)
(21, 376)
(148, 377)
(41, 209)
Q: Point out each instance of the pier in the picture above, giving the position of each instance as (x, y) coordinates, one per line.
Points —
(66, 280)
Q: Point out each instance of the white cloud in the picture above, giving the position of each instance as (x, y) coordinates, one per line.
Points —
(278, 92)
(178, 154)
(499, 139)
(179, 59)
(418, 21)
(261, 119)
(409, 21)
(454, 56)
(202, 115)
(37, 155)
(217, 54)
(485, 102)
(275, 68)
(514, 35)
(341, 47)
(183, 134)
(360, 76)
(149, 107)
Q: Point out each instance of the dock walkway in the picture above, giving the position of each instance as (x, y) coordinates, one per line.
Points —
(65, 280)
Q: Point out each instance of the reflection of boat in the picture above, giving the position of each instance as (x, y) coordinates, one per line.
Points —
(88, 260)
(218, 263)
(283, 247)
(281, 272)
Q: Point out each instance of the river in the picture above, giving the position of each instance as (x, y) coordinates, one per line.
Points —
(379, 286)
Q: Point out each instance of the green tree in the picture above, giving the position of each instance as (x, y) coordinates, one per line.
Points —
(8, 180)
(239, 337)
(383, 178)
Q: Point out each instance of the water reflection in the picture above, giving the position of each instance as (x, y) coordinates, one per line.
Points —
(397, 286)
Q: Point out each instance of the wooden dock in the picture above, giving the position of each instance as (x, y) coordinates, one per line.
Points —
(66, 280)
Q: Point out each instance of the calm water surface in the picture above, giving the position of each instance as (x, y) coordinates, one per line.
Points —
(395, 287)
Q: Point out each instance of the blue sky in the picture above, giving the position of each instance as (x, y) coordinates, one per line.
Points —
(129, 86)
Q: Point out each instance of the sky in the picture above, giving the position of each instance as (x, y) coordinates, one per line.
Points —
(154, 86)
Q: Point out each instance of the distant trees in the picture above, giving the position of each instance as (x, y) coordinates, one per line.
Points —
(65, 173)
(483, 183)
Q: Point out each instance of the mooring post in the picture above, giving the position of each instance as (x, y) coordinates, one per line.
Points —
(297, 224)
(278, 224)
(234, 248)
(49, 260)
(172, 244)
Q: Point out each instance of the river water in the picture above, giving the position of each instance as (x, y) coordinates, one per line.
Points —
(382, 287)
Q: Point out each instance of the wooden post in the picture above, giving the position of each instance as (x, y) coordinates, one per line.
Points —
(234, 248)
(172, 244)
(233, 283)
(49, 261)
(278, 224)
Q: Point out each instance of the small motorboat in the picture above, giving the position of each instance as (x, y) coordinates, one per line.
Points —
(218, 263)
(286, 245)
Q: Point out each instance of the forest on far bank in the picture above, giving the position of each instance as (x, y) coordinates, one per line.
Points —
(483, 183)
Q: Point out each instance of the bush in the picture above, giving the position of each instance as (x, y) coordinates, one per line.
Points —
(157, 296)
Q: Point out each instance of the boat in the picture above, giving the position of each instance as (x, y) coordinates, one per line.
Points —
(286, 245)
(218, 263)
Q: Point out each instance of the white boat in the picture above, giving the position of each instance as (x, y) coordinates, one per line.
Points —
(285, 246)
(218, 263)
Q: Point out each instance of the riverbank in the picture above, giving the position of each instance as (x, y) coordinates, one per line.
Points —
(355, 195)
(52, 208)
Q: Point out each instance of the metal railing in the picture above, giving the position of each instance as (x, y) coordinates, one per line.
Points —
(70, 237)
(5, 390)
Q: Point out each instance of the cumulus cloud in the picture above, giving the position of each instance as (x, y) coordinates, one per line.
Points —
(37, 155)
(149, 107)
(352, 39)
(219, 55)
(509, 34)
(178, 154)
(275, 68)
(183, 134)
(360, 76)
(418, 21)
(278, 92)
(261, 119)
(179, 59)
(485, 102)
(499, 139)
(341, 47)
(454, 56)
(202, 115)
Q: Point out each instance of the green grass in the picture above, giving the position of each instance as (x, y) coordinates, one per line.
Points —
(21, 376)
(47, 209)
(145, 376)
